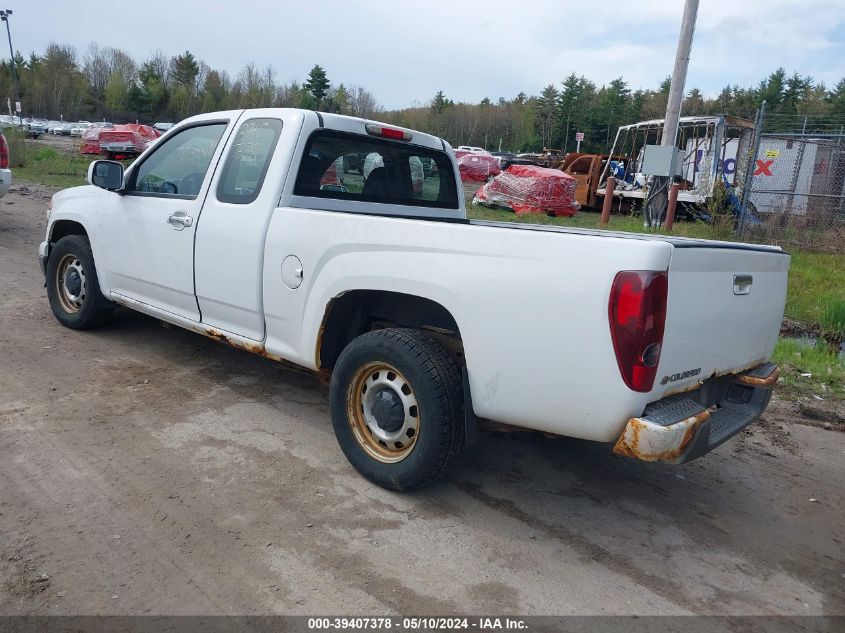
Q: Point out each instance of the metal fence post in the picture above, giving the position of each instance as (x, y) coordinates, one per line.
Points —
(749, 170)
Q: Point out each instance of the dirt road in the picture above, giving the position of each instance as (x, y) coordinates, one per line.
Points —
(146, 469)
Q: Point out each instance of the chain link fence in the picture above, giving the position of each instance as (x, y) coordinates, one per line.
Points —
(797, 186)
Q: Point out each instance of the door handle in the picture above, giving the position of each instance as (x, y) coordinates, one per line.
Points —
(179, 220)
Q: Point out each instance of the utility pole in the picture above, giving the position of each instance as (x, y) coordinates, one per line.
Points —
(658, 195)
(4, 15)
(679, 73)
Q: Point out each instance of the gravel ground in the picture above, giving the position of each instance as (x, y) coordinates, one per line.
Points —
(145, 469)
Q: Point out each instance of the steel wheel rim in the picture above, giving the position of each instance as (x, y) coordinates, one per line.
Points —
(382, 444)
(71, 286)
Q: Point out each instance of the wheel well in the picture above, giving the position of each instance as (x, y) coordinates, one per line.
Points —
(63, 228)
(354, 313)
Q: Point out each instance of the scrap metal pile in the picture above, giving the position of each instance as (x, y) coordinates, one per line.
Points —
(528, 189)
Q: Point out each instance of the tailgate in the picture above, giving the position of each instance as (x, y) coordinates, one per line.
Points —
(723, 315)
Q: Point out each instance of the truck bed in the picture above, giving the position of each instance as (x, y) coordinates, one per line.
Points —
(677, 242)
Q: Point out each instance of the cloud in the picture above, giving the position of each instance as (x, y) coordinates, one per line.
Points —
(404, 52)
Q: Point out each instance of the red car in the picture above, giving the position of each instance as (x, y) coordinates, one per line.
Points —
(478, 167)
(125, 141)
(118, 142)
(91, 141)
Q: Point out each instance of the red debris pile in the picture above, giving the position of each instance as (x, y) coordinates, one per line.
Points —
(530, 189)
(479, 167)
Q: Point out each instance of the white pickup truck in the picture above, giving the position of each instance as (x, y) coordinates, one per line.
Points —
(259, 228)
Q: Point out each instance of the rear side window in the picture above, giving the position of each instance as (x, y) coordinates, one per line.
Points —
(247, 163)
(359, 168)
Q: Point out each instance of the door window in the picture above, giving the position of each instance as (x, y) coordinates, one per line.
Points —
(247, 163)
(178, 166)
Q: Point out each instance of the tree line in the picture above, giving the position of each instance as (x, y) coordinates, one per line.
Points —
(107, 83)
(577, 104)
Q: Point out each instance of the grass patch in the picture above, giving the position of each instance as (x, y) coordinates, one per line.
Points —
(816, 283)
(833, 319)
(46, 166)
(808, 370)
(17, 147)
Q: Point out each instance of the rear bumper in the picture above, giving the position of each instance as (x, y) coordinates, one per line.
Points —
(120, 148)
(686, 426)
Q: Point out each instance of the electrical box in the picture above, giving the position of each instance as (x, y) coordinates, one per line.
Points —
(662, 160)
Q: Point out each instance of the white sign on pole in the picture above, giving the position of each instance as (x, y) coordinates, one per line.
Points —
(17, 106)
(579, 136)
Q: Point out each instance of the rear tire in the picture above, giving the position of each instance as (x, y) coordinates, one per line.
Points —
(72, 287)
(396, 402)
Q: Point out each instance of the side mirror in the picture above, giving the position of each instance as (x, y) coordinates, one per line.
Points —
(107, 174)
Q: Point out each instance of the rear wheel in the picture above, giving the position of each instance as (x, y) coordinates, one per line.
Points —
(397, 408)
(72, 287)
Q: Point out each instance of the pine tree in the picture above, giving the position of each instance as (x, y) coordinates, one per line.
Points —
(547, 106)
(318, 85)
(440, 102)
(771, 90)
(184, 69)
(836, 98)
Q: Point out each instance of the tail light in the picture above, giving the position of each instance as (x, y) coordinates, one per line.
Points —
(4, 153)
(637, 315)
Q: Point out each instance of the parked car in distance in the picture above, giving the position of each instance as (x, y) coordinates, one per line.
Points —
(547, 158)
(163, 127)
(471, 149)
(77, 129)
(500, 156)
(429, 326)
(506, 159)
(63, 129)
(126, 141)
(35, 128)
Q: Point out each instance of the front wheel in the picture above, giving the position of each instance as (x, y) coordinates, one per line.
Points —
(72, 287)
(397, 408)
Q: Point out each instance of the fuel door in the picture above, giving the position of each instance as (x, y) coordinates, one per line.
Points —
(292, 272)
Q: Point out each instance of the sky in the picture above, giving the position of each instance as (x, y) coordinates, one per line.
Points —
(405, 52)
